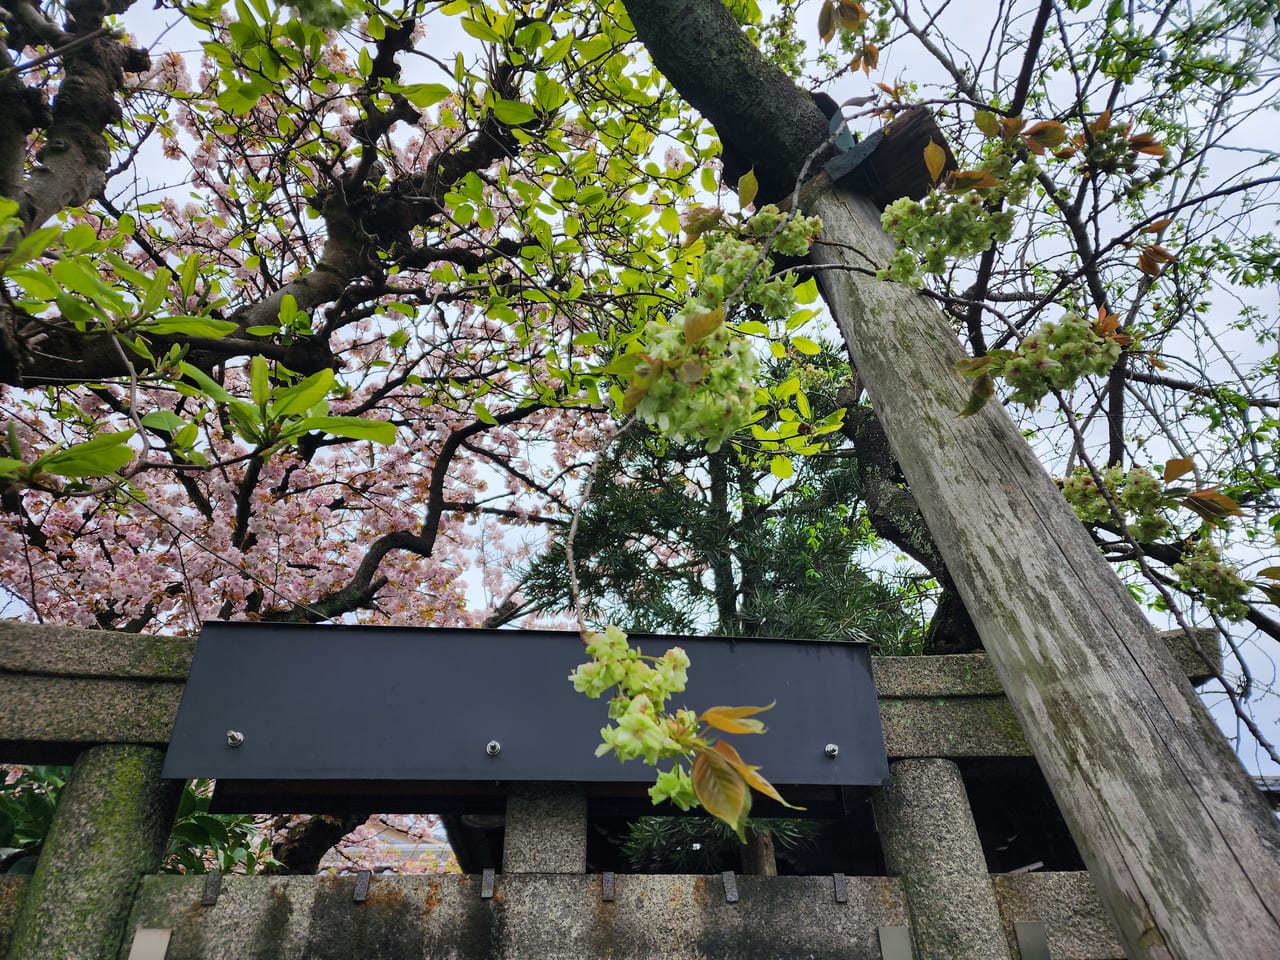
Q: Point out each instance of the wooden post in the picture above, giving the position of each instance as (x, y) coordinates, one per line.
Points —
(1185, 854)
(1183, 849)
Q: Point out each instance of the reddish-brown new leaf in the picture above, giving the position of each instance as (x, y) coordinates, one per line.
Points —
(699, 325)
(1211, 504)
(935, 158)
(1106, 322)
(1047, 133)
(1176, 467)
(721, 790)
(750, 775)
(734, 719)
(972, 366)
(870, 57)
(972, 180)
(827, 21)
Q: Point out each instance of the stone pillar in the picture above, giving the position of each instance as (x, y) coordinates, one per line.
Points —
(109, 829)
(546, 830)
(930, 841)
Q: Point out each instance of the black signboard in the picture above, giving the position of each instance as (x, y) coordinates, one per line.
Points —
(341, 715)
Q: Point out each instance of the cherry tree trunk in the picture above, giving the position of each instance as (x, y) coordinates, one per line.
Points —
(1183, 849)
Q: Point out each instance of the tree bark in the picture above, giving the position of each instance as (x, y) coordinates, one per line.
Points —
(1185, 854)
(698, 45)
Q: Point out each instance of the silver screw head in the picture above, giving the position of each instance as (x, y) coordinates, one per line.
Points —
(493, 748)
(234, 738)
(832, 750)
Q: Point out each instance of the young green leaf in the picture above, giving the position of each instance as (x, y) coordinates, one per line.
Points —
(98, 457)
(189, 327)
(806, 346)
(259, 384)
(514, 113)
(208, 385)
(984, 388)
(165, 420)
(157, 290)
(985, 121)
(354, 428)
(301, 397)
(423, 95)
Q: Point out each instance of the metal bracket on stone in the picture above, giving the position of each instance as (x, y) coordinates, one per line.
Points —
(730, 887)
(212, 888)
(1033, 944)
(486, 884)
(889, 163)
(362, 886)
(840, 884)
(149, 943)
(895, 943)
(607, 887)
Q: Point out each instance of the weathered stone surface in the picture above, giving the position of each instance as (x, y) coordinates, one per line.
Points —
(12, 890)
(971, 675)
(531, 917)
(946, 727)
(546, 830)
(109, 830)
(1200, 659)
(1067, 904)
(931, 843)
(76, 652)
(964, 675)
(50, 719)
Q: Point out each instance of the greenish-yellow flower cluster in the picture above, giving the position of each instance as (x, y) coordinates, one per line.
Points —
(1221, 588)
(641, 726)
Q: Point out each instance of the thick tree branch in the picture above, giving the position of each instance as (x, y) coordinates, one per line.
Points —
(761, 117)
(73, 162)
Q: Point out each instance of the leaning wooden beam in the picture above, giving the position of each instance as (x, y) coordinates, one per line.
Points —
(1184, 851)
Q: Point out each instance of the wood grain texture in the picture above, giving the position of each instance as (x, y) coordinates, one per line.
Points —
(1184, 851)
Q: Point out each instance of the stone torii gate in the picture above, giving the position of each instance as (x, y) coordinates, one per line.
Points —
(928, 877)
